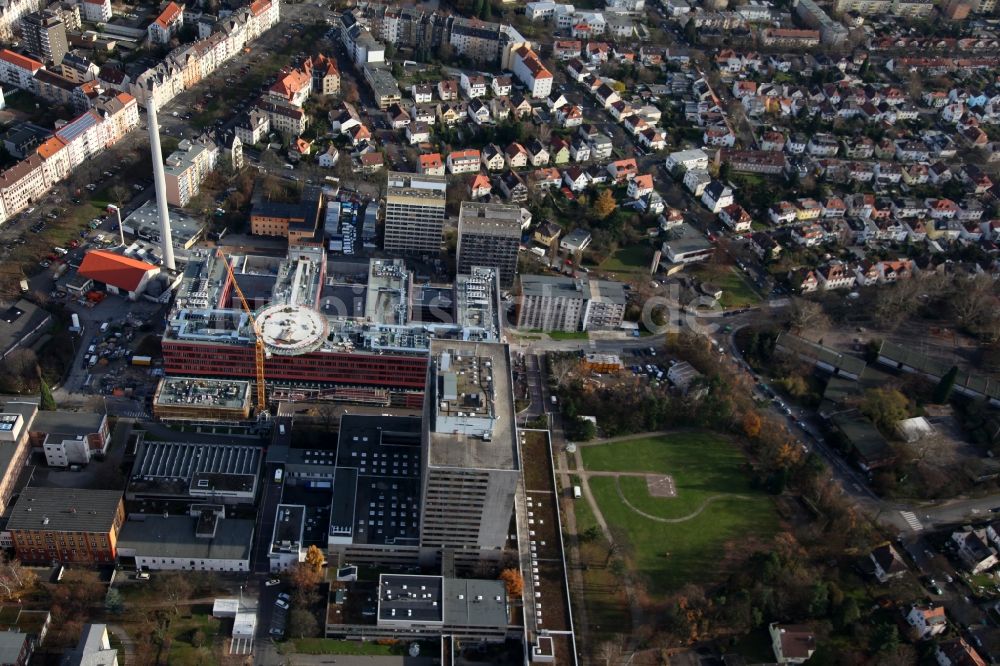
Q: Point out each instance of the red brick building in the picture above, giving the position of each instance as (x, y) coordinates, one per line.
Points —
(66, 525)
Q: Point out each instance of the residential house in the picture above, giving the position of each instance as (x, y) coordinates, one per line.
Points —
(479, 111)
(601, 147)
(808, 235)
(451, 114)
(369, 163)
(559, 151)
(431, 164)
(538, 154)
(422, 93)
(736, 218)
(545, 178)
(493, 158)
(696, 180)
(836, 275)
(783, 212)
(717, 196)
(640, 186)
(463, 161)
(975, 551)
(447, 90)
(516, 156)
(792, 644)
(764, 246)
(687, 160)
(569, 115)
(927, 621)
(547, 234)
(501, 86)
(623, 170)
(474, 86)
(956, 652)
(479, 186)
(575, 178)
(329, 157)
(418, 133)
(886, 563)
(398, 117)
(512, 186)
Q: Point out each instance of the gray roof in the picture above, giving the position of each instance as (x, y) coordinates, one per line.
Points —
(554, 286)
(11, 644)
(90, 651)
(908, 356)
(491, 219)
(70, 424)
(483, 603)
(684, 238)
(17, 324)
(174, 537)
(403, 598)
(459, 450)
(65, 510)
(606, 291)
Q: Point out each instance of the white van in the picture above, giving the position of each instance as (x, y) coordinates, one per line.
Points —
(577, 492)
(278, 474)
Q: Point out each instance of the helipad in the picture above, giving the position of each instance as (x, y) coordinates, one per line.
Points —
(289, 330)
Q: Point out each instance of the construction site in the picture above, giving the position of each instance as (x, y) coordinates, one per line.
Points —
(306, 328)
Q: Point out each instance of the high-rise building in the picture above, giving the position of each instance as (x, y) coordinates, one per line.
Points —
(489, 235)
(186, 168)
(469, 450)
(414, 212)
(45, 35)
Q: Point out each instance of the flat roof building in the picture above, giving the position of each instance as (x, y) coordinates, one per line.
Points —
(414, 212)
(432, 606)
(21, 324)
(287, 548)
(203, 541)
(470, 447)
(185, 398)
(144, 224)
(489, 234)
(552, 303)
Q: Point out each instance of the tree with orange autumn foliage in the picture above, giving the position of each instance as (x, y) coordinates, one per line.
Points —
(513, 581)
(751, 424)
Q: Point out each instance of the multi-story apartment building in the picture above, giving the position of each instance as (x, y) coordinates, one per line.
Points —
(489, 235)
(414, 212)
(383, 86)
(11, 13)
(531, 72)
(66, 525)
(469, 447)
(17, 70)
(166, 25)
(253, 127)
(325, 75)
(44, 35)
(186, 168)
(290, 120)
(97, 11)
(293, 87)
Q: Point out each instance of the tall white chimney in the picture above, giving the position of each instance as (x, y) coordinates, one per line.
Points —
(159, 179)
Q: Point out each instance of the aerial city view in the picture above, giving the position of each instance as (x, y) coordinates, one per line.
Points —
(499, 332)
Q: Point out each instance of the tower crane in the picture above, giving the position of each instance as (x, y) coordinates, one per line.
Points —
(259, 350)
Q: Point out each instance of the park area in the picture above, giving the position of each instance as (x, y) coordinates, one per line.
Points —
(680, 506)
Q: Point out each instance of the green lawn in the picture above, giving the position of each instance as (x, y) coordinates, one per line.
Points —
(568, 335)
(182, 647)
(703, 465)
(736, 291)
(632, 259)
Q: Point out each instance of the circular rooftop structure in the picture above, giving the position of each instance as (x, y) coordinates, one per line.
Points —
(290, 330)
